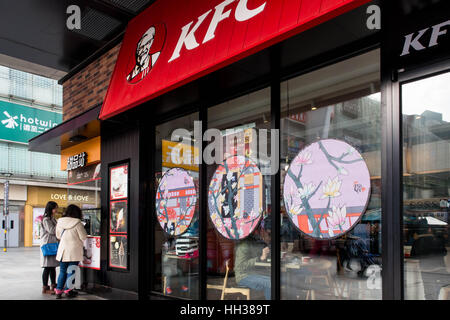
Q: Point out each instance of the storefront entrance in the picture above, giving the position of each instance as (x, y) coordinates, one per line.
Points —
(11, 224)
(426, 185)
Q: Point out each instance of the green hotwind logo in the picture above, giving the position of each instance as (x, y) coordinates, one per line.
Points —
(10, 121)
(32, 124)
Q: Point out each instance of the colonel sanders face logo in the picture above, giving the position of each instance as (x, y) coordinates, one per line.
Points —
(147, 53)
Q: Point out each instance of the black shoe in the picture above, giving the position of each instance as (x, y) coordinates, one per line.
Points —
(71, 294)
(58, 296)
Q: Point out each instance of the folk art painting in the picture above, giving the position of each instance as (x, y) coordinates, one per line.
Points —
(176, 200)
(326, 189)
(326, 192)
(235, 197)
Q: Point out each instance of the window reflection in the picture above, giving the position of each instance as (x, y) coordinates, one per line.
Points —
(176, 219)
(238, 267)
(426, 187)
(337, 102)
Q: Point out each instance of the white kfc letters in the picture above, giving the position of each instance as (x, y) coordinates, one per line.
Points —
(414, 41)
(187, 36)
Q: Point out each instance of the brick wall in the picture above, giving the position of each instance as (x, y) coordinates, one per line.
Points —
(87, 88)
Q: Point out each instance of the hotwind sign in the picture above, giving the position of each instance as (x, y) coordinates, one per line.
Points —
(174, 42)
(20, 123)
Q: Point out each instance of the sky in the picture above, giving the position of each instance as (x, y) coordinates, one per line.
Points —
(428, 94)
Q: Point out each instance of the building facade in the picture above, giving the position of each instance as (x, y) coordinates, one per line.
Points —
(271, 150)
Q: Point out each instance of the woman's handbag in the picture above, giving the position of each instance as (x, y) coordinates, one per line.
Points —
(50, 249)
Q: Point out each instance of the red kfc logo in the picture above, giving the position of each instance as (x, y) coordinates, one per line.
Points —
(147, 52)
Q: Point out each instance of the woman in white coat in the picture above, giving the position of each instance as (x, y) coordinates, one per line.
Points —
(71, 233)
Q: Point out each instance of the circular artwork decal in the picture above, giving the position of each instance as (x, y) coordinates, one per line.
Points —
(326, 189)
(175, 201)
(235, 197)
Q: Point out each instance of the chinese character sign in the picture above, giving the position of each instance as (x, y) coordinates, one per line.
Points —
(77, 161)
(326, 189)
(176, 199)
(235, 197)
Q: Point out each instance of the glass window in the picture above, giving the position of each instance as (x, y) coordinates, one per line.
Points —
(426, 187)
(239, 206)
(4, 81)
(330, 182)
(176, 200)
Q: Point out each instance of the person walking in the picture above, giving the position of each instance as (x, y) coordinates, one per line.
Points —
(71, 233)
(48, 235)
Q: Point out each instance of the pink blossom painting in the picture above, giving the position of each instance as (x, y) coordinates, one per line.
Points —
(326, 189)
(176, 198)
(235, 197)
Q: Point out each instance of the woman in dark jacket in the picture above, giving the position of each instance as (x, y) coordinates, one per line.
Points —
(48, 235)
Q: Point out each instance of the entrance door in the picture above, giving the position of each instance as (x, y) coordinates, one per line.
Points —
(426, 187)
(12, 223)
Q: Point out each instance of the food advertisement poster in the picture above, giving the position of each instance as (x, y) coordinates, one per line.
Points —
(91, 253)
(119, 182)
(118, 216)
(118, 251)
(38, 214)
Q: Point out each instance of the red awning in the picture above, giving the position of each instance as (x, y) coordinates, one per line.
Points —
(174, 42)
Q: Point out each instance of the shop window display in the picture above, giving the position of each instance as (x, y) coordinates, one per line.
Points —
(330, 182)
(239, 224)
(426, 188)
(176, 230)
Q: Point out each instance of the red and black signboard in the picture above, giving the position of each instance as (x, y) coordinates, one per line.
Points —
(174, 42)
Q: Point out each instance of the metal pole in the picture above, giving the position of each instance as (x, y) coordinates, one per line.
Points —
(5, 214)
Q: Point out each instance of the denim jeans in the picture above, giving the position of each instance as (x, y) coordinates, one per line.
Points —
(257, 282)
(62, 278)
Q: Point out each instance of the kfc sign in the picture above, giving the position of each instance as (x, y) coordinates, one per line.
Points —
(148, 50)
(417, 40)
(187, 37)
(174, 42)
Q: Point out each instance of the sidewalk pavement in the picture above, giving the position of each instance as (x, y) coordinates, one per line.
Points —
(21, 276)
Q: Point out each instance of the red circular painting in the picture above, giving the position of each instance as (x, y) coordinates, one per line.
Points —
(235, 197)
(176, 198)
